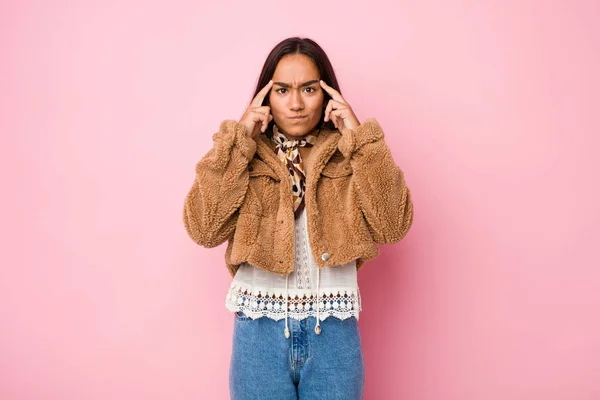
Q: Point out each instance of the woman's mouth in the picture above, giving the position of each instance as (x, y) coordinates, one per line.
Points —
(300, 118)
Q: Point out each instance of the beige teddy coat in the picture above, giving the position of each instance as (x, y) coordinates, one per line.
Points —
(355, 197)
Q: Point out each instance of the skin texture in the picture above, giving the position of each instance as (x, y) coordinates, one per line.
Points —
(291, 96)
(296, 90)
(257, 117)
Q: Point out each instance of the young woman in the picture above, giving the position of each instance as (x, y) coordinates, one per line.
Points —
(302, 191)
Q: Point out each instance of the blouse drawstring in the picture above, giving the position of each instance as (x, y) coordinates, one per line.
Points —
(318, 326)
(286, 331)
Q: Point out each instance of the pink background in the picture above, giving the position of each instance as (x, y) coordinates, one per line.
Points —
(491, 108)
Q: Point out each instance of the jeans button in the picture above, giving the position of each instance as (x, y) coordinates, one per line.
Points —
(325, 256)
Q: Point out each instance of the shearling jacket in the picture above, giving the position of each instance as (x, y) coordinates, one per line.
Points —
(355, 197)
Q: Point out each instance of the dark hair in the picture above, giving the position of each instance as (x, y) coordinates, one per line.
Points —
(309, 48)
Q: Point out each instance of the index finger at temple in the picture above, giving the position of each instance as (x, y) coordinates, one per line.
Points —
(260, 96)
(335, 95)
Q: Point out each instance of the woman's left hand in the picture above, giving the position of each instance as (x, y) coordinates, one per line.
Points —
(338, 111)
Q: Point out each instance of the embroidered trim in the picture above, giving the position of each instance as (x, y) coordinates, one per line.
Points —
(339, 303)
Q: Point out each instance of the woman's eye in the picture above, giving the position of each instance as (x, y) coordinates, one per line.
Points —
(283, 90)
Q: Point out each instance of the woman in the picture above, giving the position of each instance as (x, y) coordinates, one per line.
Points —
(302, 192)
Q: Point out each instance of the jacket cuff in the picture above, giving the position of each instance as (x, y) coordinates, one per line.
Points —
(352, 140)
(233, 133)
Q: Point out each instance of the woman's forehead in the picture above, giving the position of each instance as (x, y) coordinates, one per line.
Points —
(295, 70)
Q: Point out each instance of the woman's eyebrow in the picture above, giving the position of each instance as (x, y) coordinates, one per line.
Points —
(287, 85)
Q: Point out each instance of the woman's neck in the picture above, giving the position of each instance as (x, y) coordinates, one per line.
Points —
(288, 137)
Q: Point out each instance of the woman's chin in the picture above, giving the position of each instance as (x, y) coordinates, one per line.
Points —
(297, 131)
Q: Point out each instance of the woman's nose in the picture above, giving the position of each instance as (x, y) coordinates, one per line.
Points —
(296, 102)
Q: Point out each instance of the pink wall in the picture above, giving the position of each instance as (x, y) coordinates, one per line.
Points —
(491, 109)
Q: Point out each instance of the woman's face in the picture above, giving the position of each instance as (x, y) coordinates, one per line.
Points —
(296, 92)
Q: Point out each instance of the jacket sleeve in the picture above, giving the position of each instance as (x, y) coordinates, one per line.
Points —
(211, 207)
(378, 183)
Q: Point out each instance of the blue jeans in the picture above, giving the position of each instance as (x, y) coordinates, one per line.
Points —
(265, 365)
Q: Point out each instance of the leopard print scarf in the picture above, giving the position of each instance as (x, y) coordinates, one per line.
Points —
(288, 152)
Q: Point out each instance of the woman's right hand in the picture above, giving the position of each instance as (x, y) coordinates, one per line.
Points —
(257, 117)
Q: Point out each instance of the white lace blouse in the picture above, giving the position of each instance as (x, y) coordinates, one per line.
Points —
(260, 293)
